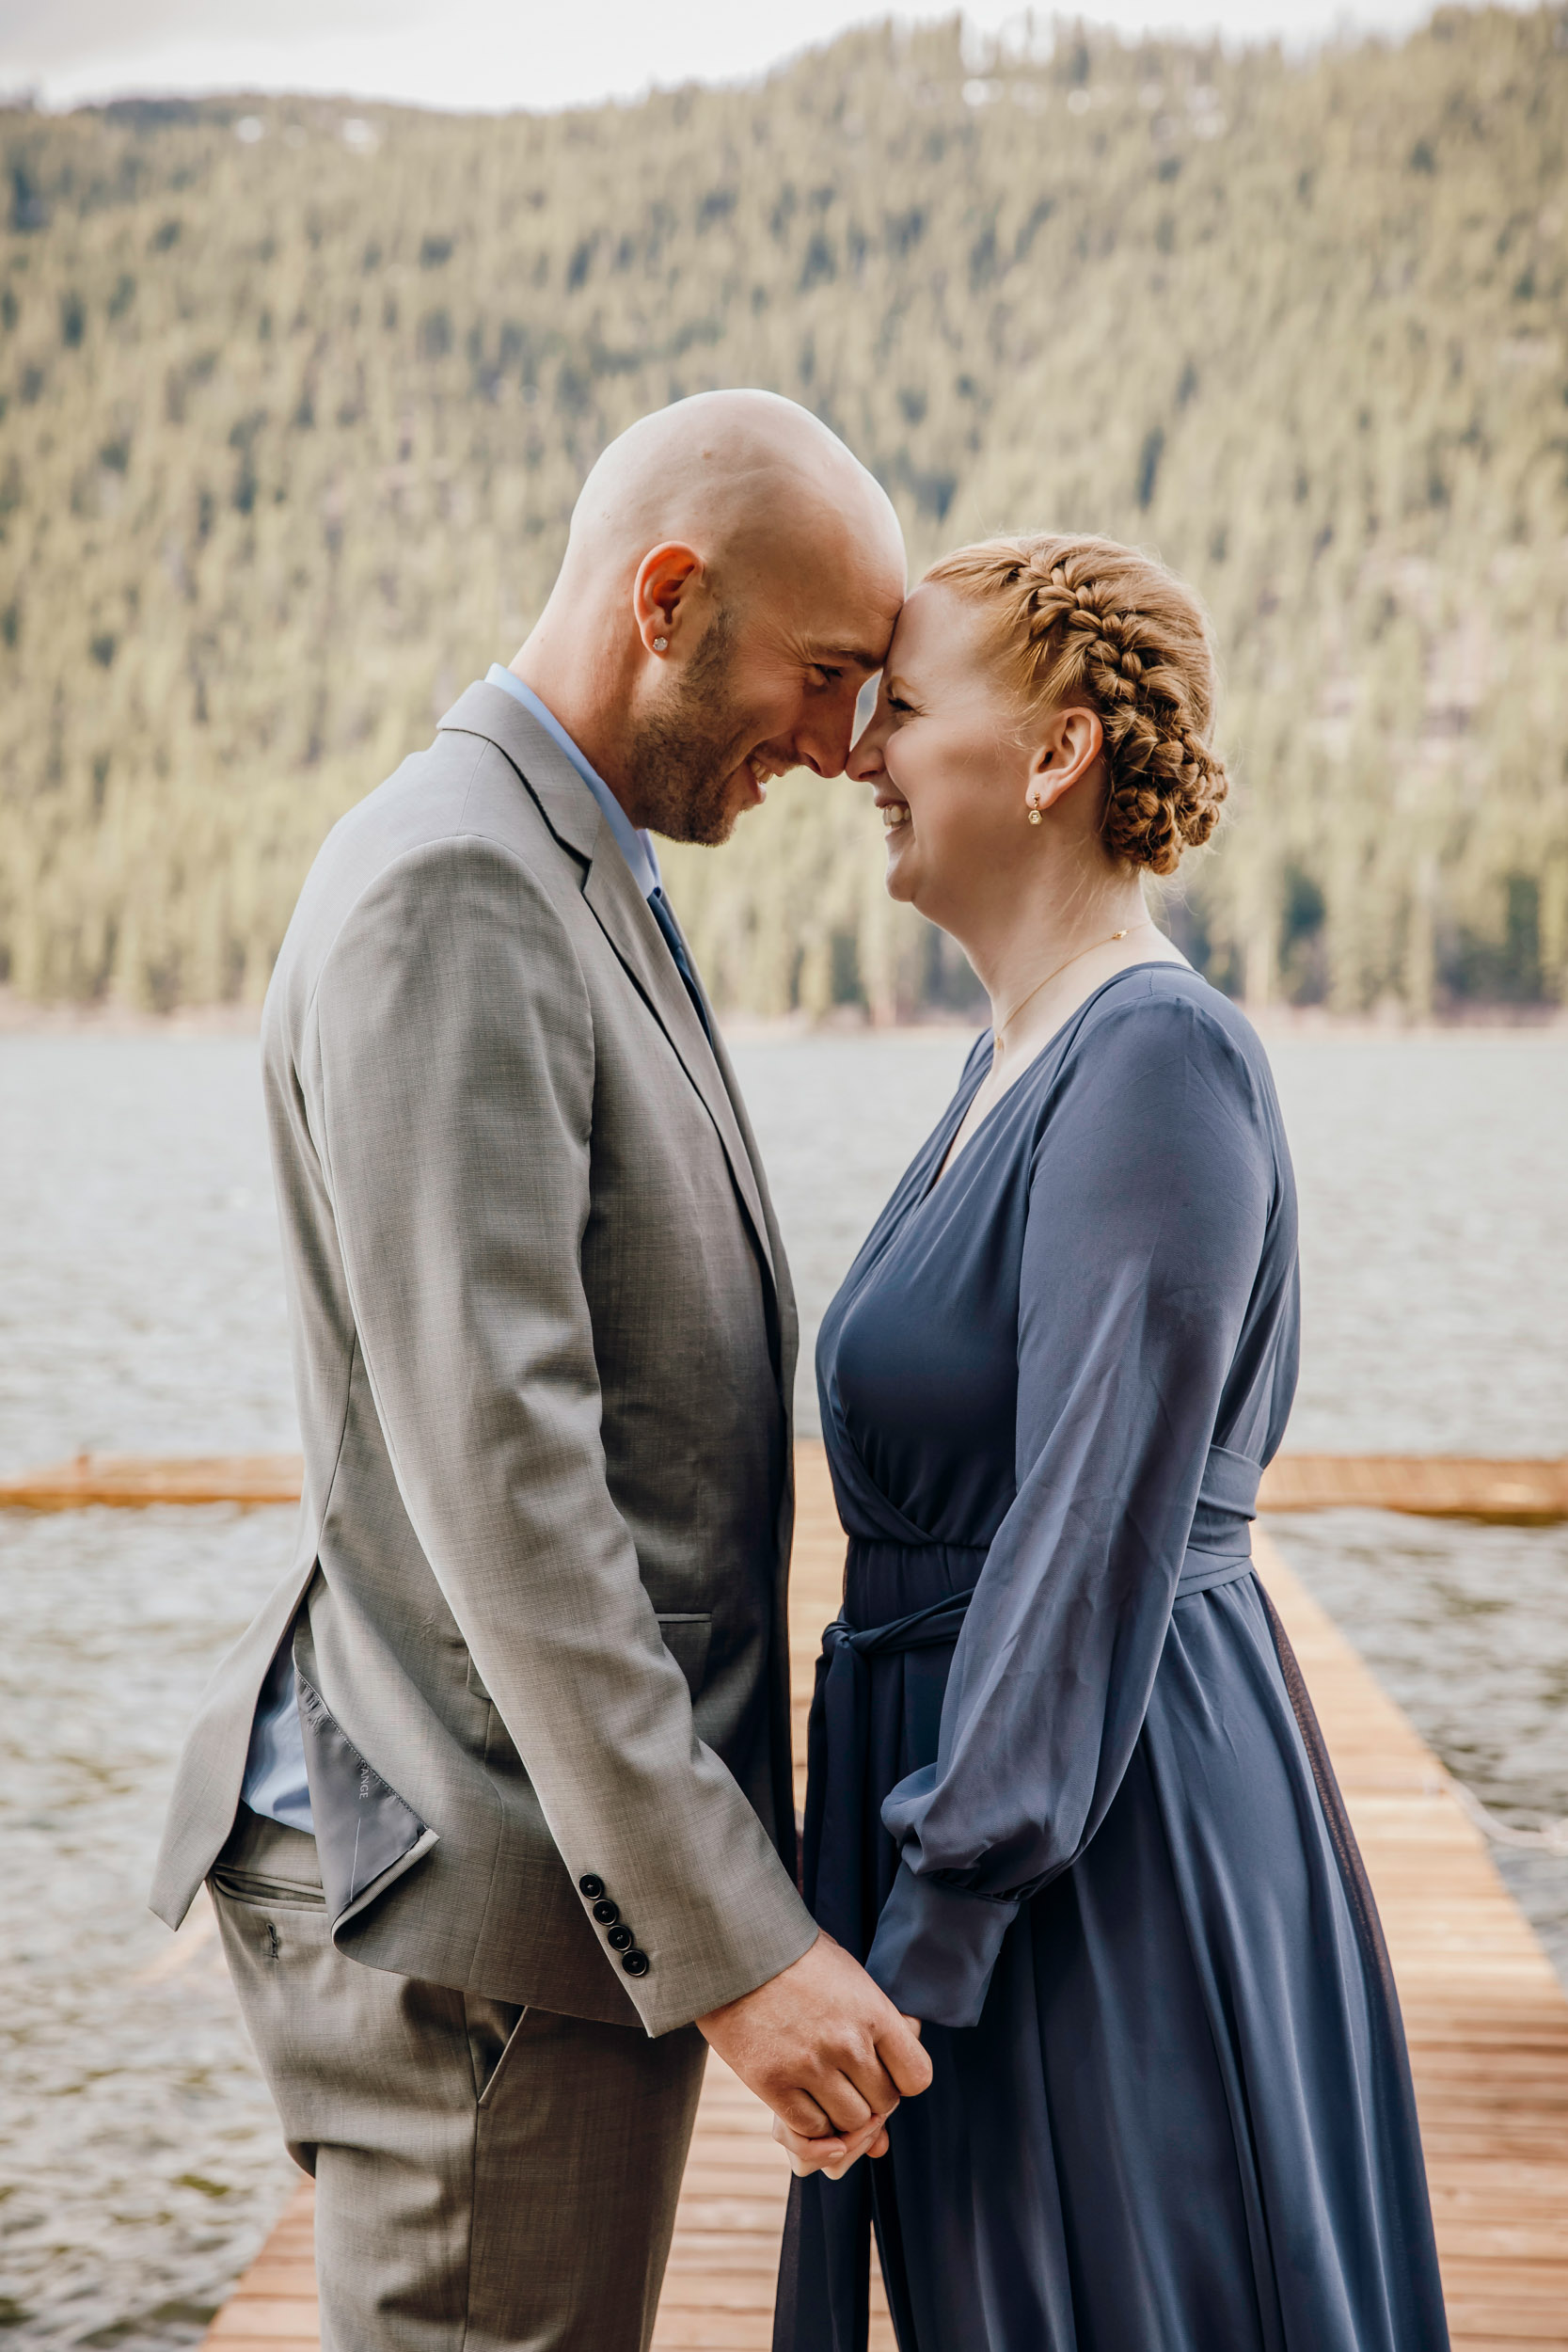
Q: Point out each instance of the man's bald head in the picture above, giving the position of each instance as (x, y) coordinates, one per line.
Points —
(732, 578)
(734, 472)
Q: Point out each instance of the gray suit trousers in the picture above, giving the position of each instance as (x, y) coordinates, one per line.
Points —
(488, 2178)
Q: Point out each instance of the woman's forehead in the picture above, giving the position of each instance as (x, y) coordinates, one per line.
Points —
(937, 630)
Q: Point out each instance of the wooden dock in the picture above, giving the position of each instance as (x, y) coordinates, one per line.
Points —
(1487, 2020)
(1433, 1486)
(134, 1482)
(1514, 1493)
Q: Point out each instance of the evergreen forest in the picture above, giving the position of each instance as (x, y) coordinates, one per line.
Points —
(296, 398)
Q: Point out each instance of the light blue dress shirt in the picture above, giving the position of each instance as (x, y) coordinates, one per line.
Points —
(275, 1782)
(636, 847)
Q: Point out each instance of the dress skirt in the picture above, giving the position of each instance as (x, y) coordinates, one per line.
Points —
(1185, 2120)
(1067, 1796)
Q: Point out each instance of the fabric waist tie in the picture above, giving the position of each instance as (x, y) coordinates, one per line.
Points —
(923, 1628)
(836, 1743)
(841, 1842)
(1219, 1546)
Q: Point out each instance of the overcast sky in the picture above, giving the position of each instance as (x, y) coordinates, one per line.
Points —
(499, 53)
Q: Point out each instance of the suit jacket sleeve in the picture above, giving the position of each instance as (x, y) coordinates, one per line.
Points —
(451, 1102)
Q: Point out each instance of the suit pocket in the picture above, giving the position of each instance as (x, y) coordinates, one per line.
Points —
(687, 1635)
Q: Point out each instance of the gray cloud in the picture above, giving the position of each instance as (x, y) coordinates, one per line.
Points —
(38, 35)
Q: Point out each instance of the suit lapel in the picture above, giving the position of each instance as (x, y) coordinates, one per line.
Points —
(772, 1241)
(569, 808)
(623, 915)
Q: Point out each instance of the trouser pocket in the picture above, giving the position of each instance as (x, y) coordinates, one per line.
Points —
(266, 1890)
(265, 1893)
(265, 1864)
(494, 2028)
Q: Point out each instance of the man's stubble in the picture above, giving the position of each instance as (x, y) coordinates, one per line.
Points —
(681, 758)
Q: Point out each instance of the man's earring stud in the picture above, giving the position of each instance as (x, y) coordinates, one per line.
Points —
(1034, 814)
(660, 643)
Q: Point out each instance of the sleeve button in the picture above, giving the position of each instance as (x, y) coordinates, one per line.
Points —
(619, 1939)
(635, 1963)
(590, 1886)
(607, 1912)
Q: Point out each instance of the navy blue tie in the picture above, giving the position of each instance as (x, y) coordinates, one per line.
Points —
(659, 907)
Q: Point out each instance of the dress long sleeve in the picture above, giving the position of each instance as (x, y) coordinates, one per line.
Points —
(1149, 1193)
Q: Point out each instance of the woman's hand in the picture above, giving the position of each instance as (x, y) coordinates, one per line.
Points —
(835, 2151)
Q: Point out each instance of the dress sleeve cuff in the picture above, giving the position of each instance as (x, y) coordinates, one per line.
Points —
(935, 1948)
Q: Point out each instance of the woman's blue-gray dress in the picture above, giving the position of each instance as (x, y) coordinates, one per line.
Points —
(1082, 1823)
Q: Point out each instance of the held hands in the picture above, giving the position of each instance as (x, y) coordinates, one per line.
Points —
(838, 2151)
(825, 2048)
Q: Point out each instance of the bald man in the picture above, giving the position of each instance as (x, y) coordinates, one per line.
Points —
(493, 1798)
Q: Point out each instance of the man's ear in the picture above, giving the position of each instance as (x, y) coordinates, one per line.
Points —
(1070, 743)
(666, 579)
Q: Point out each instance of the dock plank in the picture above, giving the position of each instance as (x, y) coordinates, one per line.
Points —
(1514, 1493)
(1487, 2022)
(1507, 1493)
(136, 1481)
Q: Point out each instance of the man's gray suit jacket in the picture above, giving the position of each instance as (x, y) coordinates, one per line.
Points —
(545, 1343)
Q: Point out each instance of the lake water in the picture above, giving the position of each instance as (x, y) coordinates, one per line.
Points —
(140, 1312)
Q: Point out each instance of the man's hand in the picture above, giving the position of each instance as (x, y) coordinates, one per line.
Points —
(825, 2048)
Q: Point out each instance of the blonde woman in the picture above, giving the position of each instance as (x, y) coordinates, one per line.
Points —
(1067, 1797)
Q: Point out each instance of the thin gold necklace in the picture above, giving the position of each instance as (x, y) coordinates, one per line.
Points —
(1002, 1026)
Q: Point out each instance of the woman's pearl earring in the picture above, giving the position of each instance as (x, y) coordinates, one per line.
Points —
(1034, 818)
(659, 644)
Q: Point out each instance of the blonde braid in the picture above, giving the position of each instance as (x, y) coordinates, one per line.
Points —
(1089, 620)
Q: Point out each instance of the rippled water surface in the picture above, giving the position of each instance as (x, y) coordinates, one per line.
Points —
(141, 1311)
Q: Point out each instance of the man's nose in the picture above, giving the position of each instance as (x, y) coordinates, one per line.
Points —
(823, 743)
(865, 761)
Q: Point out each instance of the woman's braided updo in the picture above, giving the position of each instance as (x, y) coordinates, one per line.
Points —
(1089, 620)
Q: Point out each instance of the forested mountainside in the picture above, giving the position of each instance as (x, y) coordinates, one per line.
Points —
(296, 397)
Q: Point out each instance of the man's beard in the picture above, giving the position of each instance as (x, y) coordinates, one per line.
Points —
(681, 758)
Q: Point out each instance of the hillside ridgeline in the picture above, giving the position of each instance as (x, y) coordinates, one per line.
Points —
(296, 398)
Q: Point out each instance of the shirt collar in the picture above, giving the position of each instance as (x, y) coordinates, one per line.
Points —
(634, 846)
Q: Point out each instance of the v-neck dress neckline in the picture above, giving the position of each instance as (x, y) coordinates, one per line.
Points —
(970, 1085)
